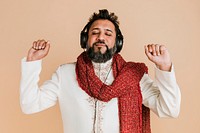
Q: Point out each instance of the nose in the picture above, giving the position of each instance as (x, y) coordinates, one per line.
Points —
(101, 37)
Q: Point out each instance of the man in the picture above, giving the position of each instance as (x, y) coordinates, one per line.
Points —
(101, 92)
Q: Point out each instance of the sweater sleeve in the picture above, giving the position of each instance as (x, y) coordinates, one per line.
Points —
(162, 95)
(33, 98)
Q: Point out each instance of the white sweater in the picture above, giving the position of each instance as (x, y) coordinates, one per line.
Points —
(162, 96)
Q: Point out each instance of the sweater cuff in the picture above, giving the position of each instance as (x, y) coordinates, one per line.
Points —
(30, 66)
(165, 75)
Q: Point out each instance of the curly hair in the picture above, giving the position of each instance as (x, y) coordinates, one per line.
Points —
(105, 15)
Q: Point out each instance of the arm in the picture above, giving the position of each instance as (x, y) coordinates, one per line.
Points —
(163, 94)
(32, 98)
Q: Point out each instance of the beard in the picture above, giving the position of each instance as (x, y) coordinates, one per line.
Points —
(98, 57)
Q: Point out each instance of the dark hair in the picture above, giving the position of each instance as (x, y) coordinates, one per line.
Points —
(104, 14)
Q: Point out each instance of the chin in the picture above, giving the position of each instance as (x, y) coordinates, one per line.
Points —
(100, 50)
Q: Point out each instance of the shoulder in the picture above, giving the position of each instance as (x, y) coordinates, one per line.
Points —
(67, 66)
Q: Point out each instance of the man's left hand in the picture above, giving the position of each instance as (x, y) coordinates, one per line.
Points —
(159, 55)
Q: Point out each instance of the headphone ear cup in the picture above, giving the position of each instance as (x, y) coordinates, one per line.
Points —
(119, 43)
(83, 39)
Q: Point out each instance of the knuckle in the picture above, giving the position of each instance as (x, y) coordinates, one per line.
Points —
(157, 45)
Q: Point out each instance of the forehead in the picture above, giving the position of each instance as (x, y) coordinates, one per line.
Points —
(103, 24)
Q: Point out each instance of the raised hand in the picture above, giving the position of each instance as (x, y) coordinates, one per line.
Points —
(159, 55)
(38, 50)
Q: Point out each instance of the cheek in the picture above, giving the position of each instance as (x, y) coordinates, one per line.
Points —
(112, 43)
(90, 41)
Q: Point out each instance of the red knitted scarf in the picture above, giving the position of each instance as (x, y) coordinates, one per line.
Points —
(133, 116)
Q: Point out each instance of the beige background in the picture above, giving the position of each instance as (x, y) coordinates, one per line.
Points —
(174, 23)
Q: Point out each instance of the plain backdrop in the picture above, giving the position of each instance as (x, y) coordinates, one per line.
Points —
(174, 23)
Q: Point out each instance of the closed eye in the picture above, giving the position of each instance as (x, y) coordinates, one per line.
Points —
(95, 33)
(108, 34)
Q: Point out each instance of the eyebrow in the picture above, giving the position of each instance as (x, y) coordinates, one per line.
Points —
(105, 29)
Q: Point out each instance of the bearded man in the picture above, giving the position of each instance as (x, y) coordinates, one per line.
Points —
(101, 92)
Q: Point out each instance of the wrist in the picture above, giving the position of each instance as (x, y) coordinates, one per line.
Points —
(30, 59)
(165, 67)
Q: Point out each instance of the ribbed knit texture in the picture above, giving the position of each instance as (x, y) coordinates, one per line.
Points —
(133, 116)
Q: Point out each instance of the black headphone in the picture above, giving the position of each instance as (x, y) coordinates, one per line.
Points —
(84, 37)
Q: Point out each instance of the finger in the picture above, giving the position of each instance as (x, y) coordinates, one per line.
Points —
(148, 51)
(41, 43)
(162, 49)
(38, 44)
(34, 45)
(47, 46)
(153, 49)
(157, 48)
(149, 47)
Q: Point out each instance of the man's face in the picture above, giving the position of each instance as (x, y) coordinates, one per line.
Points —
(101, 35)
(101, 41)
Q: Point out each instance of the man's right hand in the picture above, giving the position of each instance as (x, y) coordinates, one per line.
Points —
(39, 50)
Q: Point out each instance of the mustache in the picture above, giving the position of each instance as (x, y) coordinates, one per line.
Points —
(102, 42)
